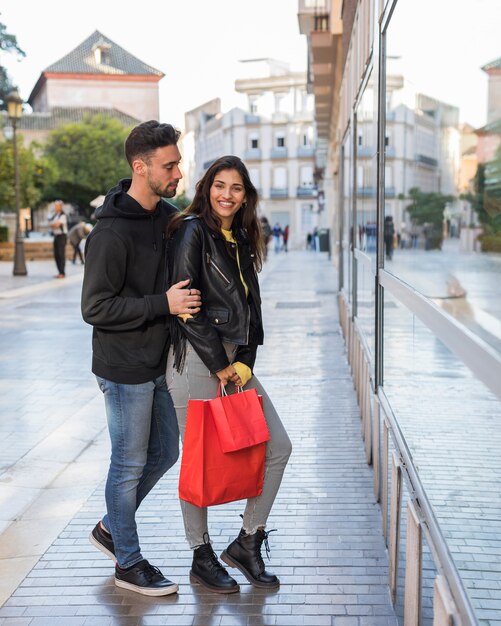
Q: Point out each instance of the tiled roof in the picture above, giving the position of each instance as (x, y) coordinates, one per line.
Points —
(493, 65)
(66, 115)
(116, 60)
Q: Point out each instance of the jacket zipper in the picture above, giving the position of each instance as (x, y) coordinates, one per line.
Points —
(211, 262)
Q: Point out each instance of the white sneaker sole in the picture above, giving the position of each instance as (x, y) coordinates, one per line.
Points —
(100, 546)
(145, 591)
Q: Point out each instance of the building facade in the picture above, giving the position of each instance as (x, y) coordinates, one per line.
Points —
(275, 137)
(388, 117)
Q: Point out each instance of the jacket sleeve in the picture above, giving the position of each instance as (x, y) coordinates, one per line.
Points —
(247, 355)
(104, 278)
(185, 255)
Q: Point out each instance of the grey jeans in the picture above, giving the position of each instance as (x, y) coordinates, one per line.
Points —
(196, 382)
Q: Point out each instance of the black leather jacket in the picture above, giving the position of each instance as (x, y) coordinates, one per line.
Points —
(197, 253)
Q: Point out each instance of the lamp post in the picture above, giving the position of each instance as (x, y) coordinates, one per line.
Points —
(14, 112)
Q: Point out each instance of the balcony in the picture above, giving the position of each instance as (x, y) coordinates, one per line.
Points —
(365, 151)
(305, 151)
(370, 192)
(426, 160)
(249, 118)
(313, 16)
(306, 192)
(252, 154)
(279, 192)
(366, 192)
(278, 153)
(279, 118)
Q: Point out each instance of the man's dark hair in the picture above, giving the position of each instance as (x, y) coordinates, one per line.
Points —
(147, 137)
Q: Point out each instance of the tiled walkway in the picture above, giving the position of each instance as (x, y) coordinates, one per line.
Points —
(328, 551)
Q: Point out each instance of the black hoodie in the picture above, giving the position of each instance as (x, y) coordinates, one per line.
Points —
(123, 294)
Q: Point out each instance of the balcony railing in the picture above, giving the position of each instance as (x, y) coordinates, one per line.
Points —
(279, 192)
(365, 151)
(305, 151)
(306, 192)
(278, 153)
(252, 154)
(252, 119)
(426, 160)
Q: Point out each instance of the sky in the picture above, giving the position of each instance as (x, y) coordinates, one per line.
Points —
(197, 44)
(442, 45)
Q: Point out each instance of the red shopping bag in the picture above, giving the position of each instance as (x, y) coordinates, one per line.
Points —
(209, 476)
(239, 419)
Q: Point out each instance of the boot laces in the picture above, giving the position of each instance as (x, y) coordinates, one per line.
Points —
(209, 552)
(265, 534)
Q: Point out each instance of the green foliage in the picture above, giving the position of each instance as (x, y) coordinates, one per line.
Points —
(490, 243)
(4, 234)
(8, 43)
(181, 201)
(486, 200)
(89, 159)
(35, 174)
(428, 209)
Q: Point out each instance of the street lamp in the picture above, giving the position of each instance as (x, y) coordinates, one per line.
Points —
(14, 113)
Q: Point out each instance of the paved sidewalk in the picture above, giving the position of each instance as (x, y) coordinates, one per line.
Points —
(328, 551)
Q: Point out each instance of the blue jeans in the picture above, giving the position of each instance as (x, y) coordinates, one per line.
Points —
(144, 438)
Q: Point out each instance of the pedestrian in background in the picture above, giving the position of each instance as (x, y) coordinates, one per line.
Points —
(58, 224)
(76, 235)
(219, 345)
(277, 233)
(389, 233)
(265, 234)
(285, 237)
(124, 298)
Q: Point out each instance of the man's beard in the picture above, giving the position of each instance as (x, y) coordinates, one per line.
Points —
(160, 191)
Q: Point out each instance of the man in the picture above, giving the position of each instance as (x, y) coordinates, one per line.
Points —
(58, 223)
(124, 299)
(76, 234)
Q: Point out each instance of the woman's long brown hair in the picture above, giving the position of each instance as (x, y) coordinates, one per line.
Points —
(245, 218)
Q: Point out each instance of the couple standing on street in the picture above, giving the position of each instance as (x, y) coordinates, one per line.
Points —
(155, 347)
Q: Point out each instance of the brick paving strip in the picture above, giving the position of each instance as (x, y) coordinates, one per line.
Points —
(328, 552)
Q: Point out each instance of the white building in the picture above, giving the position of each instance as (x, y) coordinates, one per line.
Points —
(422, 149)
(275, 137)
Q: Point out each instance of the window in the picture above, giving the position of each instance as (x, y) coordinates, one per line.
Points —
(306, 176)
(253, 141)
(254, 176)
(280, 178)
(307, 137)
(280, 138)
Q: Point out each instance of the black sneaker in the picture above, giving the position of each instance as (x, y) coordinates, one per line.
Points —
(102, 541)
(145, 579)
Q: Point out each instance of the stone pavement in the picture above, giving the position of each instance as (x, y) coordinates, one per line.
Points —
(328, 551)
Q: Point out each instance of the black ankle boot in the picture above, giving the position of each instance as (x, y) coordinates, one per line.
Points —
(245, 554)
(209, 572)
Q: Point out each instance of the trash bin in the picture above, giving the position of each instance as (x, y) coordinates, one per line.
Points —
(324, 240)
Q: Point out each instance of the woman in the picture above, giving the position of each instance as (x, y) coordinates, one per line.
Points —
(216, 243)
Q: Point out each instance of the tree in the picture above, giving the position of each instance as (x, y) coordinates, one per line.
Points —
(428, 209)
(8, 43)
(181, 201)
(35, 175)
(89, 158)
(486, 200)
